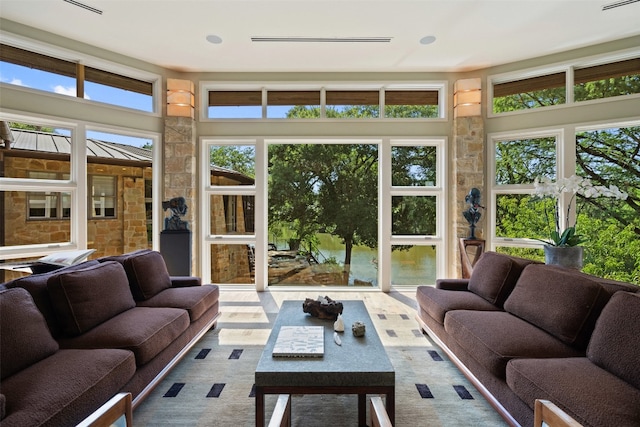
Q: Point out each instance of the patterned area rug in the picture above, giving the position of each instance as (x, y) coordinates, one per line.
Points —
(213, 385)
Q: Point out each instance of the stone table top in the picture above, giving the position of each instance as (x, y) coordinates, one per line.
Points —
(359, 361)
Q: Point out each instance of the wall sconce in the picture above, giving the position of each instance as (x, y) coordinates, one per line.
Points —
(180, 98)
(467, 98)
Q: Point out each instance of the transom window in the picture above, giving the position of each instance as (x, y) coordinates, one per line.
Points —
(421, 101)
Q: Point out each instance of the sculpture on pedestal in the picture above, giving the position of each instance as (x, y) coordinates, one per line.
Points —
(473, 214)
(178, 208)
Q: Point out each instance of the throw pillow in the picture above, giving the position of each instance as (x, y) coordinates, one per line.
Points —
(24, 336)
(148, 274)
(614, 345)
(562, 302)
(85, 298)
(490, 277)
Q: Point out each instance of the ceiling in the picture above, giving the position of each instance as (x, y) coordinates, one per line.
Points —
(468, 34)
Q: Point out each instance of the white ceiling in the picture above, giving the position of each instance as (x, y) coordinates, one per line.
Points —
(469, 34)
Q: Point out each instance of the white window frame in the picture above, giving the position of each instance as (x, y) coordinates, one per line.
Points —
(206, 86)
(386, 191)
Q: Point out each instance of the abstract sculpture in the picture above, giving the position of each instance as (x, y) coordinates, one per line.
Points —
(322, 308)
(472, 214)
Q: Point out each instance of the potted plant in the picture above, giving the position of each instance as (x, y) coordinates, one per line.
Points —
(563, 245)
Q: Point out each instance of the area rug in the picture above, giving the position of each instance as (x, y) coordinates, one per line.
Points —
(213, 385)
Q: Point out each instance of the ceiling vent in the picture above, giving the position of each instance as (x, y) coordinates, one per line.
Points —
(618, 4)
(84, 6)
(322, 39)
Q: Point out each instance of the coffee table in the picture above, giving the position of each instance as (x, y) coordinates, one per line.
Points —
(359, 366)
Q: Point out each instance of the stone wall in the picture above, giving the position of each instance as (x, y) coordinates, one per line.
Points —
(108, 236)
(467, 172)
(180, 172)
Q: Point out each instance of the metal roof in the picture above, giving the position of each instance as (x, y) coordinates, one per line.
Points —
(31, 140)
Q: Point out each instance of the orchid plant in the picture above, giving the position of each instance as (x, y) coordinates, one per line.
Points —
(565, 234)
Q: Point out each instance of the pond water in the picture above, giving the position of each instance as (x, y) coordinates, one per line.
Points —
(415, 265)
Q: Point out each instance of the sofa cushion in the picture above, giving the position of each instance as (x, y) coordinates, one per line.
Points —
(195, 299)
(591, 395)
(36, 284)
(24, 336)
(147, 272)
(495, 275)
(493, 338)
(70, 385)
(155, 329)
(559, 301)
(3, 401)
(437, 302)
(85, 298)
(615, 344)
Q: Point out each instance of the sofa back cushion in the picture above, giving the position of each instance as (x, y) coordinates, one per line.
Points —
(615, 343)
(85, 298)
(495, 275)
(36, 285)
(559, 301)
(147, 273)
(25, 338)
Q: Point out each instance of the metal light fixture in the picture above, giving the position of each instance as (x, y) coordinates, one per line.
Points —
(467, 98)
(180, 98)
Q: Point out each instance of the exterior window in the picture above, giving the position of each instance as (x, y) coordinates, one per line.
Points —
(607, 80)
(353, 104)
(525, 94)
(230, 213)
(411, 104)
(332, 103)
(48, 205)
(25, 68)
(229, 104)
(519, 215)
(293, 104)
(103, 196)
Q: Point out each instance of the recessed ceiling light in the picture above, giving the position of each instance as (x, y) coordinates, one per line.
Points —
(427, 39)
(212, 38)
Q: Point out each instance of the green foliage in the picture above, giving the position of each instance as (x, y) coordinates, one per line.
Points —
(238, 158)
(25, 126)
(610, 229)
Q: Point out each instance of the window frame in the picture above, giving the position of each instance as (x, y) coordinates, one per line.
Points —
(91, 63)
(568, 67)
(60, 204)
(206, 88)
(92, 199)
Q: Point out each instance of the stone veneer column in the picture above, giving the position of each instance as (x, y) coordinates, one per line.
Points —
(180, 179)
(468, 166)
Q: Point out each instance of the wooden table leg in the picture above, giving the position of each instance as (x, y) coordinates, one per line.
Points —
(362, 410)
(259, 407)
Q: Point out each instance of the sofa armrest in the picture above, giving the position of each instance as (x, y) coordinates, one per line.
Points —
(453, 284)
(185, 281)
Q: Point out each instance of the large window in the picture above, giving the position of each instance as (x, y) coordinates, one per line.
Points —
(322, 216)
(604, 154)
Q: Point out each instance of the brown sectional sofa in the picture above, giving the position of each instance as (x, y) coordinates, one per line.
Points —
(521, 330)
(72, 338)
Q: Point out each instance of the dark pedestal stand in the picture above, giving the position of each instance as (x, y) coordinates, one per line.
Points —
(175, 247)
(466, 263)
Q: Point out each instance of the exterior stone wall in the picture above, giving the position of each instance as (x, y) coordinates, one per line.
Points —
(108, 236)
